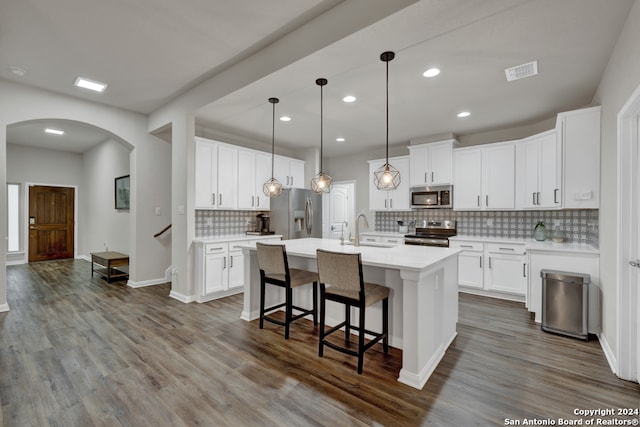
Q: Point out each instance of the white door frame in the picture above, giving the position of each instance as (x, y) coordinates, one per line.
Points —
(628, 299)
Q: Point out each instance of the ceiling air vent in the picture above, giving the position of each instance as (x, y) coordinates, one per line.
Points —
(521, 71)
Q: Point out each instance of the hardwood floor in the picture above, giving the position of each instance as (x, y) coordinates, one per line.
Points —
(76, 351)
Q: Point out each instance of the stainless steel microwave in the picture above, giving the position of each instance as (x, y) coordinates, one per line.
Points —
(432, 197)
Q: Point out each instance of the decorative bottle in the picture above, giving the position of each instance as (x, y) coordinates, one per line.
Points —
(540, 232)
(557, 235)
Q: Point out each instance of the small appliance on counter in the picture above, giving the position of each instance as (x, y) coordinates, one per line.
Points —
(261, 227)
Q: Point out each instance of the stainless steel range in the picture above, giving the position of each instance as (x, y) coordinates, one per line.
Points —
(432, 233)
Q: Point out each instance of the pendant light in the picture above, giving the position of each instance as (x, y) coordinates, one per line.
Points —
(321, 183)
(272, 188)
(387, 177)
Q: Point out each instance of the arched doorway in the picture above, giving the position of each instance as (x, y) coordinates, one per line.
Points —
(64, 157)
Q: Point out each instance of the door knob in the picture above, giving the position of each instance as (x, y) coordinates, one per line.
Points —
(635, 263)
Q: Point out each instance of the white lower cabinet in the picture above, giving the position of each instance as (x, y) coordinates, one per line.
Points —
(220, 268)
(470, 264)
(506, 268)
(492, 269)
(236, 267)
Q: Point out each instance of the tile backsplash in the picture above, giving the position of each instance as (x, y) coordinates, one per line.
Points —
(213, 223)
(580, 226)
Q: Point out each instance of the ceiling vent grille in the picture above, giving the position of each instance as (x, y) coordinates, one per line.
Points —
(522, 71)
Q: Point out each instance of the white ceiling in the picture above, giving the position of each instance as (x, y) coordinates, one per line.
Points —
(149, 51)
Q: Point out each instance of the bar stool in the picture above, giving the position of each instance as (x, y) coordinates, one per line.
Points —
(274, 270)
(341, 281)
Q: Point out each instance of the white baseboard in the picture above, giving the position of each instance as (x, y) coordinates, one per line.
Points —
(182, 298)
(18, 262)
(84, 257)
(608, 353)
(145, 283)
(4, 307)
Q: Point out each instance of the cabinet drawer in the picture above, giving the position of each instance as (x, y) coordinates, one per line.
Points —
(393, 240)
(369, 238)
(506, 248)
(215, 248)
(467, 246)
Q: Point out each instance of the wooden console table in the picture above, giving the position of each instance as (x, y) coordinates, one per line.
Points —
(109, 265)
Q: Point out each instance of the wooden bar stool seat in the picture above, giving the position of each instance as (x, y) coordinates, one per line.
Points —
(341, 281)
(274, 270)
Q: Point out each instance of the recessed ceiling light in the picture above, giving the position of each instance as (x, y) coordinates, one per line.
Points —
(20, 72)
(90, 84)
(340, 139)
(464, 114)
(54, 131)
(349, 98)
(285, 118)
(431, 72)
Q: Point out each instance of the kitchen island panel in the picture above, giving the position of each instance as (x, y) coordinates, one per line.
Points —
(423, 305)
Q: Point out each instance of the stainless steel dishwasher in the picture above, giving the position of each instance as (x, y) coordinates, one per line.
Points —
(565, 302)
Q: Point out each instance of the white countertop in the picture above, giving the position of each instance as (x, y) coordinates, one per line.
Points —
(402, 257)
(534, 245)
(236, 237)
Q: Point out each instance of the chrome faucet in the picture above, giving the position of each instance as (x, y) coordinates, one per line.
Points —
(356, 242)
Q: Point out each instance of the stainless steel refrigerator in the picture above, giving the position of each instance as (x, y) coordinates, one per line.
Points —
(297, 213)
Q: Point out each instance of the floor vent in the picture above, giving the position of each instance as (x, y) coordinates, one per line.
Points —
(521, 71)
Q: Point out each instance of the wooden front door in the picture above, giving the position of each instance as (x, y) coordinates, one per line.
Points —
(51, 215)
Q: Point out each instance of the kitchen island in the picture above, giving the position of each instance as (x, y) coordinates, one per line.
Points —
(423, 304)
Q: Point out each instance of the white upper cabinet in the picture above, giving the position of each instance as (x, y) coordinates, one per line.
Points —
(579, 134)
(467, 178)
(431, 163)
(254, 169)
(215, 175)
(499, 176)
(231, 177)
(484, 177)
(398, 199)
(290, 172)
(539, 169)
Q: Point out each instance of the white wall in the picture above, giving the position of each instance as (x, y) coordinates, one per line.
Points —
(40, 166)
(618, 82)
(105, 227)
(150, 165)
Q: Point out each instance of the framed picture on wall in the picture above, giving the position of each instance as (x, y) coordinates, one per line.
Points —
(122, 192)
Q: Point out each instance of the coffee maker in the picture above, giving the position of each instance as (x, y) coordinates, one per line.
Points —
(262, 223)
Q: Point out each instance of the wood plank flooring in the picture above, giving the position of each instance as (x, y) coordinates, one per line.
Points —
(76, 351)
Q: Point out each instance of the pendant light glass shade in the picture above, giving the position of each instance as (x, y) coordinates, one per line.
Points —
(387, 177)
(272, 188)
(321, 183)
